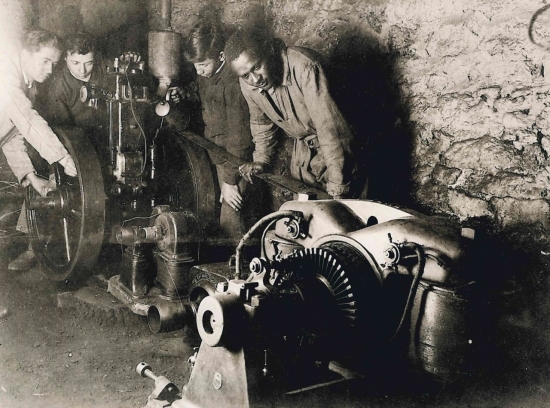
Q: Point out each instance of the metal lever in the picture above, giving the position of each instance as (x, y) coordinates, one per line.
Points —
(164, 388)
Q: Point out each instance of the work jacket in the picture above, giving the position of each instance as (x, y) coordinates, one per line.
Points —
(20, 122)
(304, 109)
(60, 102)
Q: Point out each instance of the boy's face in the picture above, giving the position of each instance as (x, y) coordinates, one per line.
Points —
(80, 65)
(39, 65)
(208, 67)
(253, 70)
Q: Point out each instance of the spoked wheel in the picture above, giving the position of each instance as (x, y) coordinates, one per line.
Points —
(67, 227)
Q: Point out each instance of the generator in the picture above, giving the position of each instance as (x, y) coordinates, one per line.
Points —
(338, 287)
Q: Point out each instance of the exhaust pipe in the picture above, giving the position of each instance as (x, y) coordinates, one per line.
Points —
(165, 14)
(170, 316)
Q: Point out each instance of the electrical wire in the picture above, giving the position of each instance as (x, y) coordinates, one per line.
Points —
(174, 283)
(194, 216)
(8, 185)
(131, 219)
(262, 242)
(419, 251)
(268, 218)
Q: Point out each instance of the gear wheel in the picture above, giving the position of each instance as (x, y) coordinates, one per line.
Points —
(352, 283)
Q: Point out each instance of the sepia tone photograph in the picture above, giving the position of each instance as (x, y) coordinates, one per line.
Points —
(274, 203)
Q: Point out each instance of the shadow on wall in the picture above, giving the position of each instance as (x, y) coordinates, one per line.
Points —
(131, 36)
(363, 86)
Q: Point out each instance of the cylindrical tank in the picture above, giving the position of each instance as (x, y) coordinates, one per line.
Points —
(164, 57)
(450, 330)
(165, 7)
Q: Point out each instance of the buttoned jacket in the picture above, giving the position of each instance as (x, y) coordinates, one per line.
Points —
(305, 110)
(60, 102)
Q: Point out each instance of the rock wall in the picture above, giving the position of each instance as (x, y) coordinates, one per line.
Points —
(474, 88)
(118, 25)
(95, 16)
(451, 95)
(15, 18)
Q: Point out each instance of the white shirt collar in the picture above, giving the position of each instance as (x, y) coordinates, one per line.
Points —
(220, 68)
(27, 82)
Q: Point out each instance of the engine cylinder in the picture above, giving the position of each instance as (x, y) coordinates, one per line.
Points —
(164, 57)
(173, 275)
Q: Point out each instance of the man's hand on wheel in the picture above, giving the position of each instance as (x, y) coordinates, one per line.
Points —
(232, 196)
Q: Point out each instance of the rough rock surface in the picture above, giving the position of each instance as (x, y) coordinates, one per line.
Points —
(467, 84)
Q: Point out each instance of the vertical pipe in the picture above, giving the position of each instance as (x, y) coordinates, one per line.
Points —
(165, 14)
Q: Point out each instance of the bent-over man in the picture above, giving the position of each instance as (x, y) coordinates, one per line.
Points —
(286, 88)
(20, 123)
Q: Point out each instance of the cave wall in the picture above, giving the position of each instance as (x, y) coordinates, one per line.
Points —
(449, 98)
(118, 25)
(15, 18)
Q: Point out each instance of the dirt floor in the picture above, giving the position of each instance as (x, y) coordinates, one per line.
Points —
(67, 346)
(64, 346)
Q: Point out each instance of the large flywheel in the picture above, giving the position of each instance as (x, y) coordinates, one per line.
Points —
(67, 227)
(70, 225)
(186, 178)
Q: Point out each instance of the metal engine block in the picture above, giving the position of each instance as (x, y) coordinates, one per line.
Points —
(131, 162)
(339, 287)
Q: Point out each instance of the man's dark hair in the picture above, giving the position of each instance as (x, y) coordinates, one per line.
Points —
(256, 42)
(36, 39)
(80, 43)
(205, 40)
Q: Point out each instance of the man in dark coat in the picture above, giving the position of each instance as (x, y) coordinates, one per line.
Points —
(226, 119)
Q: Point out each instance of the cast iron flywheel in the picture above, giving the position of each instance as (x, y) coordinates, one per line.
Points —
(67, 227)
(186, 179)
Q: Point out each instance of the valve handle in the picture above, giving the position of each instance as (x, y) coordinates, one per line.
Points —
(145, 370)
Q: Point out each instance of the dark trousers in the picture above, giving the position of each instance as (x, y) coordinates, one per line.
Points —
(234, 224)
